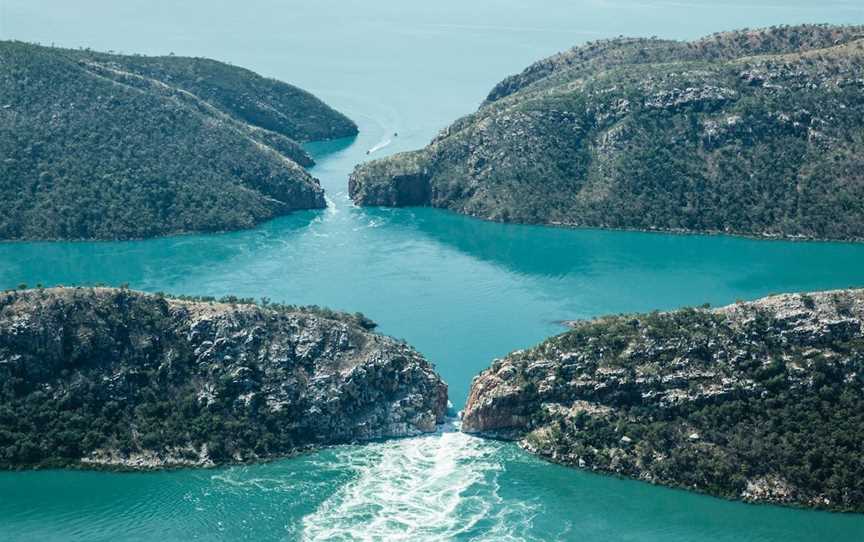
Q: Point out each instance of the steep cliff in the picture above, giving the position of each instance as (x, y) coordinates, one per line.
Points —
(117, 378)
(761, 401)
(755, 132)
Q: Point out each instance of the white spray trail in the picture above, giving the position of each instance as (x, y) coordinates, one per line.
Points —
(427, 488)
(380, 145)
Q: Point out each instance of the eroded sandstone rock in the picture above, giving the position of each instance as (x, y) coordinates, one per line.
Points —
(126, 379)
(761, 401)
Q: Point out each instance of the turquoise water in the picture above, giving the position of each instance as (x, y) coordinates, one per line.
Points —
(446, 486)
(461, 290)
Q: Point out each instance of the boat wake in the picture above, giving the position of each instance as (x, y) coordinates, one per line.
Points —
(380, 145)
(435, 487)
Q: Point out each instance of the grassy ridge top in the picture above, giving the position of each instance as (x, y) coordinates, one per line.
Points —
(602, 55)
(260, 101)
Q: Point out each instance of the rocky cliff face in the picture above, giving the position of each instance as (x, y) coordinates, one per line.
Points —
(751, 132)
(107, 377)
(761, 401)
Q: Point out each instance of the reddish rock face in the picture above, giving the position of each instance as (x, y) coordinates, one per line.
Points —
(496, 405)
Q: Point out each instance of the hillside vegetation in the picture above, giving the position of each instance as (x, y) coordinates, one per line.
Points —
(101, 146)
(103, 377)
(760, 401)
(754, 132)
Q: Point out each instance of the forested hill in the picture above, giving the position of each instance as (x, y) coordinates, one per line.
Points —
(753, 132)
(102, 146)
(105, 377)
(761, 401)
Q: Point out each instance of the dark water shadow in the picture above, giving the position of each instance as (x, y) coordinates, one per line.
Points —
(541, 250)
(737, 265)
(321, 150)
(550, 251)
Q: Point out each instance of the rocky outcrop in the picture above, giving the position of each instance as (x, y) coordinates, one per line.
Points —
(117, 378)
(755, 132)
(761, 401)
(408, 184)
(104, 146)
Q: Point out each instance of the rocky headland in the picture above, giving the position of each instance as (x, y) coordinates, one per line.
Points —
(106, 146)
(761, 401)
(753, 132)
(113, 378)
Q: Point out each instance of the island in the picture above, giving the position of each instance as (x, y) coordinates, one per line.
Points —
(752, 132)
(112, 378)
(760, 401)
(107, 146)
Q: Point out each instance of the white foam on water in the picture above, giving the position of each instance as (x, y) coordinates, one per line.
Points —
(373, 223)
(331, 209)
(435, 487)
